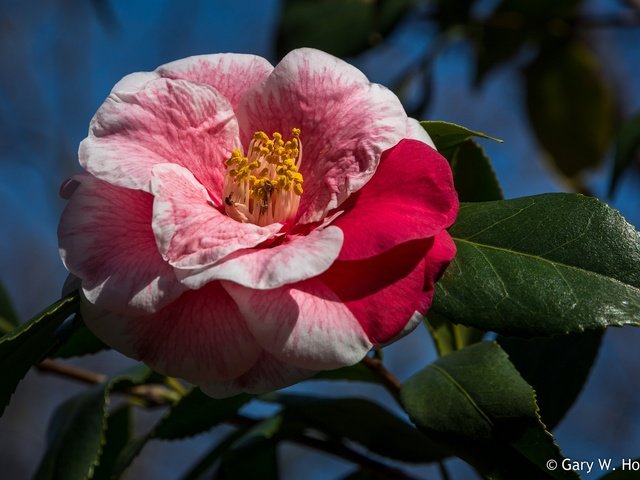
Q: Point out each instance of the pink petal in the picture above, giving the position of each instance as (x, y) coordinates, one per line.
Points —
(231, 74)
(304, 324)
(160, 121)
(201, 337)
(346, 122)
(267, 374)
(106, 239)
(411, 196)
(383, 292)
(297, 259)
(190, 231)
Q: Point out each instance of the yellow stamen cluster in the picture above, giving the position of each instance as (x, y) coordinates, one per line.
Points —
(265, 186)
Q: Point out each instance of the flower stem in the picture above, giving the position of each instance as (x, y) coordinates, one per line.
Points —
(391, 383)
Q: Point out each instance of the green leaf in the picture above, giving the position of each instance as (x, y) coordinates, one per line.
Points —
(81, 342)
(8, 315)
(77, 432)
(542, 265)
(574, 131)
(556, 368)
(446, 135)
(341, 27)
(474, 177)
(197, 413)
(117, 437)
(354, 373)
(475, 403)
(29, 343)
(352, 419)
(202, 467)
(258, 444)
(449, 337)
(627, 149)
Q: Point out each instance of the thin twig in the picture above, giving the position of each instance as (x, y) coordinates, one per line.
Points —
(391, 383)
(71, 372)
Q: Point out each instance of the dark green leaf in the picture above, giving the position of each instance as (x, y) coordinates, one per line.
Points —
(29, 343)
(475, 403)
(627, 149)
(362, 474)
(81, 342)
(8, 315)
(340, 27)
(354, 373)
(202, 468)
(543, 265)
(570, 107)
(352, 419)
(197, 413)
(446, 135)
(77, 431)
(556, 368)
(449, 337)
(259, 444)
(116, 438)
(473, 174)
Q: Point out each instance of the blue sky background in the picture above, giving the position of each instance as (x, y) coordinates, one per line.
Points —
(59, 61)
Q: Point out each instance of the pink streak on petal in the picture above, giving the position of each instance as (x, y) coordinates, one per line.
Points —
(190, 231)
(411, 196)
(267, 374)
(299, 258)
(164, 121)
(106, 239)
(416, 132)
(201, 337)
(346, 122)
(383, 292)
(231, 74)
(439, 257)
(304, 324)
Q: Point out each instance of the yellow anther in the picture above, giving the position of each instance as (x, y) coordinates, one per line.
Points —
(297, 188)
(295, 132)
(261, 136)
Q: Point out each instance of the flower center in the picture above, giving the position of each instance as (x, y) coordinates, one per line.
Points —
(265, 186)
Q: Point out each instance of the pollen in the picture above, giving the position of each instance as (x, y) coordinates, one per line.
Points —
(265, 186)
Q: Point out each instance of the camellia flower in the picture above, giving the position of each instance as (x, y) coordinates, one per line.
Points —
(212, 246)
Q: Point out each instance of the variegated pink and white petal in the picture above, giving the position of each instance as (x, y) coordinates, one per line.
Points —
(163, 121)
(189, 230)
(304, 324)
(297, 258)
(384, 291)
(346, 122)
(266, 375)
(412, 196)
(232, 74)
(201, 337)
(417, 132)
(105, 239)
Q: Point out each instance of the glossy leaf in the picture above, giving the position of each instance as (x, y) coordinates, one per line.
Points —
(570, 107)
(197, 413)
(542, 265)
(557, 368)
(627, 150)
(353, 419)
(117, 436)
(30, 343)
(449, 337)
(475, 403)
(8, 315)
(77, 431)
(446, 135)
(81, 342)
(341, 27)
(202, 468)
(353, 373)
(473, 174)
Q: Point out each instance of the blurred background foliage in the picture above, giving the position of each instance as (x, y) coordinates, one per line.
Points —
(556, 79)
